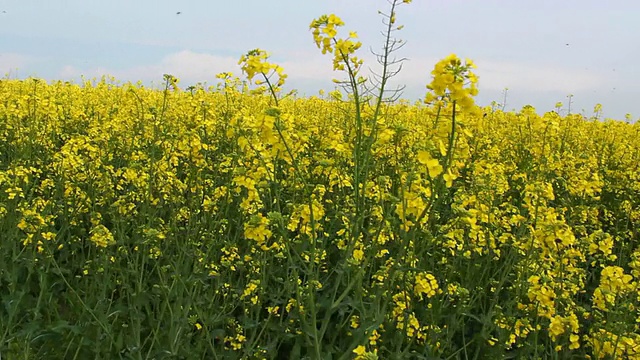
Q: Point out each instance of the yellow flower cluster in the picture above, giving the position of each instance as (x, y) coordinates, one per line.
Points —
(607, 345)
(455, 81)
(427, 285)
(613, 283)
(525, 219)
(255, 63)
(325, 31)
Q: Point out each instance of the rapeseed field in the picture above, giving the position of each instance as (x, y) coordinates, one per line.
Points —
(238, 222)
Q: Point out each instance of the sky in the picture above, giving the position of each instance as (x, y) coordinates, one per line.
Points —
(542, 51)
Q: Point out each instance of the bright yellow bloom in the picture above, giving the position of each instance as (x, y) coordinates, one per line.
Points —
(433, 165)
(101, 236)
(360, 350)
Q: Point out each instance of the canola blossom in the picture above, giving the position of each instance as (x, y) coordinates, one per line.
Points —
(236, 222)
(539, 213)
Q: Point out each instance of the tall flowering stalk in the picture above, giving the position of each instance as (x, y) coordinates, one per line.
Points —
(254, 63)
(454, 84)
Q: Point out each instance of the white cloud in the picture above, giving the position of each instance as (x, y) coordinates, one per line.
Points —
(494, 76)
(314, 65)
(197, 66)
(497, 75)
(69, 71)
(10, 62)
(309, 67)
(188, 66)
(316, 71)
(312, 69)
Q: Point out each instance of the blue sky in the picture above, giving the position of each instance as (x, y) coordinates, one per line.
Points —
(541, 50)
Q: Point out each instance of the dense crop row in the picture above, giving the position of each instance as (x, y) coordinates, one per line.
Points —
(215, 223)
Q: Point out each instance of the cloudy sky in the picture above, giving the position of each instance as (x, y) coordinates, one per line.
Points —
(541, 50)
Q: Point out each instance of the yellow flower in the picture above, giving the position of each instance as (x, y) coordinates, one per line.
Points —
(556, 327)
(426, 284)
(257, 229)
(448, 178)
(101, 236)
(360, 350)
(433, 165)
(355, 321)
(250, 289)
(363, 354)
(358, 253)
(450, 76)
(575, 341)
